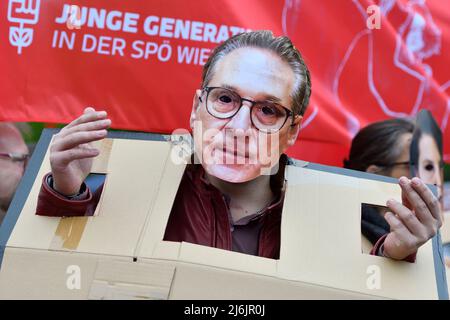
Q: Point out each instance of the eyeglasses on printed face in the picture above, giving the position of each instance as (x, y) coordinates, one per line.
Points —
(394, 164)
(266, 116)
(16, 157)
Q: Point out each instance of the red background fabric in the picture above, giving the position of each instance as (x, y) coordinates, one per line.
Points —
(359, 74)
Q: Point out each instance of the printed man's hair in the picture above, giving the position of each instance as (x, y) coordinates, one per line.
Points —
(282, 46)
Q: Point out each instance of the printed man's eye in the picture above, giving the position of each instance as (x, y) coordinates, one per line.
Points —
(225, 99)
(268, 111)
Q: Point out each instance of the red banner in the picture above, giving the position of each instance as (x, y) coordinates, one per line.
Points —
(141, 61)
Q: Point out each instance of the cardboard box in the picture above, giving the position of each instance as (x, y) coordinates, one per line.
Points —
(119, 253)
(445, 231)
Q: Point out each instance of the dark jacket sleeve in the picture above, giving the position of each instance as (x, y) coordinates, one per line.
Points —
(52, 204)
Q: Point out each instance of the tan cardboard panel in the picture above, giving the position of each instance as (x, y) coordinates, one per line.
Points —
(40, 274)
(104, 290)
(159, 213)
(150, 274)
(378, 192)
(445, 229)
(100, 164)
(167, 250)
(50, 276)
(132, 183)
(225, 259)
(201, 282)
(131, 280)
(321, 239)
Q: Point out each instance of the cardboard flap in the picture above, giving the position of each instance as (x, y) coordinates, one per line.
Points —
(124, 280)
(321, 238)
(134, 169)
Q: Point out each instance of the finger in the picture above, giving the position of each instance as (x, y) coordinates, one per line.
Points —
(89, 126)
(401, 232)
(77, 138)
(405, 200)
(420, 207)
(429, 198)
(408, 219)
(88, 110)
(87, 117)
(396, 224)
(66, 156)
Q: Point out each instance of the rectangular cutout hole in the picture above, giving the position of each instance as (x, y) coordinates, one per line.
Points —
(246, 236)
(373, 225)
(95, 182)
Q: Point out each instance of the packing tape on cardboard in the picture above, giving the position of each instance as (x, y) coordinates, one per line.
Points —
(68, 234)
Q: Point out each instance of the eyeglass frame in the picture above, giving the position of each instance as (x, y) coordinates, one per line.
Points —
(412, 164)
(16, 157)
(207, 89)
(390, 165)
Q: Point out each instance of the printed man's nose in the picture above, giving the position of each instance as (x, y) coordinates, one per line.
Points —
(241, 120)
(437, 178)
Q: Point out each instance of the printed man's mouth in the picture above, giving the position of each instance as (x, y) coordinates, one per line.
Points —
(236, 152)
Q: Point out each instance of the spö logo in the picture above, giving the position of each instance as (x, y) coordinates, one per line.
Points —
(23, 12)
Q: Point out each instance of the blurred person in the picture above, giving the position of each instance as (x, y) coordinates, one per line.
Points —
(427, 153)
(256, 87)
(380, 148)
(429, 163)
(427, 160)
(395, 148)
(13, 157)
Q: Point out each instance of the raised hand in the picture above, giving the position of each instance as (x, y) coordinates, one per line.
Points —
(71, 154)
(414, 221)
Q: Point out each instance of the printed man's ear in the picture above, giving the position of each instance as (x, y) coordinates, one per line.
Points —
(196, 103)
(294, 130)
